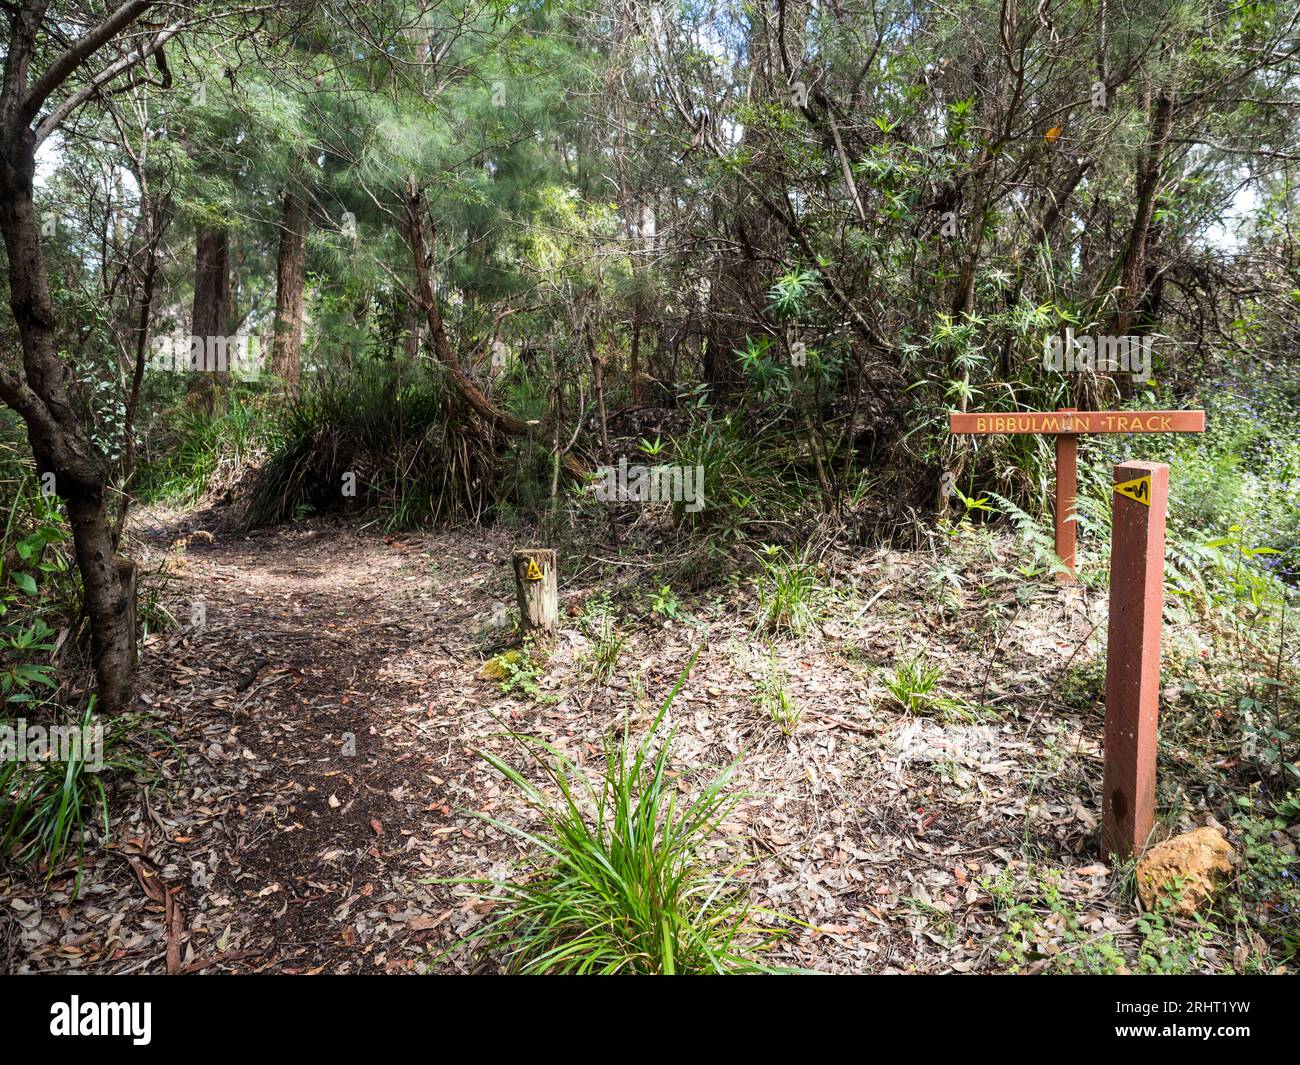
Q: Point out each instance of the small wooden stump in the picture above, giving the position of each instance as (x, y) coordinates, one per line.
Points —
(537, 591)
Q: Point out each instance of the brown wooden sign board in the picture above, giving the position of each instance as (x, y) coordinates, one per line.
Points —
(1066, 425)
(1140, 496)
(1079, 421)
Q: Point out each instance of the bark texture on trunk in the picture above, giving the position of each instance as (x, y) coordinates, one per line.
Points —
(286, 353)
(460, 380)
(1146, 187)
(210, 317)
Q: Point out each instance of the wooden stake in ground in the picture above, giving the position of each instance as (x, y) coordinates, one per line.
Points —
(537, 591)
(1137, 593)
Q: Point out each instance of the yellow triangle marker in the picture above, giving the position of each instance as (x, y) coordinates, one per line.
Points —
(534, 571)
(1139, 488)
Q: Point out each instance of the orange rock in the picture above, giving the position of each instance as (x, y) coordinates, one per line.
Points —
(1195, 860)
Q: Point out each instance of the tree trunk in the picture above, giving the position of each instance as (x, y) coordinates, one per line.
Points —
(211, 314)
(286, 353)
(460, 380)
(106, 599)
(598, 386)
(1146, 186)
(634, 359)
(60, 443)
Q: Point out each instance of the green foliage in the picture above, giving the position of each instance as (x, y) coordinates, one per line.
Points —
(1266, 895)
(627, 876)
(599, 624)
(914, 688)
(773, 699)
(746, 476)
(791, 291)
(1043, 930)
(520, 670)
(665, 603)
(48, 806)
(193, 453)
(791, 596)
(25, 645)
(39, 593)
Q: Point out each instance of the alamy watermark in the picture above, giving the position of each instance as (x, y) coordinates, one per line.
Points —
(242, 354)
(21, 742)
(1100, 354)
(651, 484)
(77, 1018)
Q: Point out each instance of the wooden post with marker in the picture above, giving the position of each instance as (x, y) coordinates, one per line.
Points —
(1137, 572)
(1067, 483)
(537, 591)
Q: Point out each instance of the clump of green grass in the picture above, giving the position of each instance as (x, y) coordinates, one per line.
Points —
(599, 625)
(914, 687)
(197, 453)
(773, 698)
(376, 437)
(626, 879)
(790, 594)
(47, 806)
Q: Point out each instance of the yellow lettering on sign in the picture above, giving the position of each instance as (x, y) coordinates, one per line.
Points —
(979, 425)
(534, 571)
(1050, 425)
(1139, 488)
(1166, 424)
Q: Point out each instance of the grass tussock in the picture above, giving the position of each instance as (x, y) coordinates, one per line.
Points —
(632, 876)
(386, 438)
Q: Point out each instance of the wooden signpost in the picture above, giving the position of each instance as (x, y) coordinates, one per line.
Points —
(1066, 425)
(1137, 599)
(1137, 570)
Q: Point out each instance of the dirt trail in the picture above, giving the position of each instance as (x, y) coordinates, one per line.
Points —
(308, 694)
(328, 708)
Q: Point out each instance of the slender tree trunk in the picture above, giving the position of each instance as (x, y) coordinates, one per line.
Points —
(60, 443)
(152, 224)
(210, 318)
(634, 359)
(598, 385)
(442, 350)
(286, 352)
(1146, 186)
